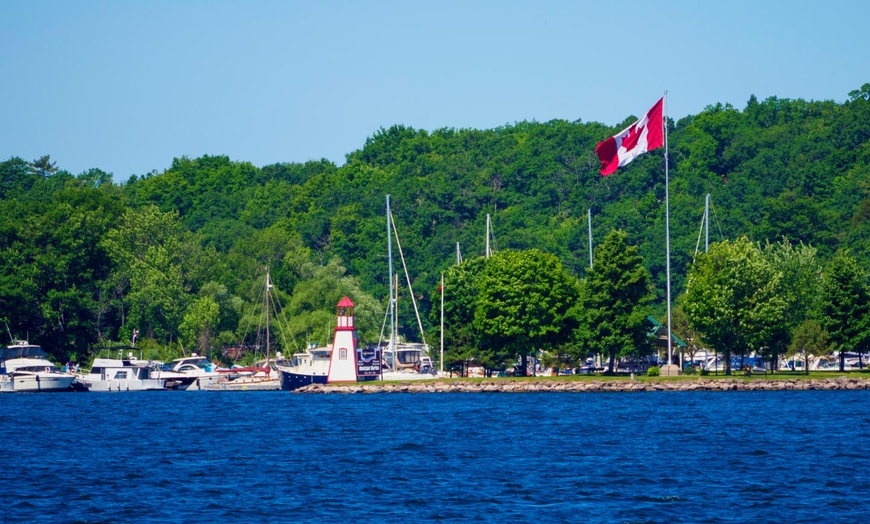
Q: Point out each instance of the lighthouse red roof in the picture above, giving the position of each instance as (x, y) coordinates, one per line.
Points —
(345, 302)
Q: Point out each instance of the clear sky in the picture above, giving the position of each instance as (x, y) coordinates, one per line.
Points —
(128, 85)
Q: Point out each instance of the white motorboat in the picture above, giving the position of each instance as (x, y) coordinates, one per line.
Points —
(198, 366)
(25, 367)
(123, 374)
(410, 361)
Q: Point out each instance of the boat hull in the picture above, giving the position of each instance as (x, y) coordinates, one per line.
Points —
(245, 385)
(41, 383)
(291, 380)
(150, 384)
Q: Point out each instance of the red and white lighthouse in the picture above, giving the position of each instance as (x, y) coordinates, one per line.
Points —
(342, 363)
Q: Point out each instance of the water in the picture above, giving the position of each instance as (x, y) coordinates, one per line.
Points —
(791, 456)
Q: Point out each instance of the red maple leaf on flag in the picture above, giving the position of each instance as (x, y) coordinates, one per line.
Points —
(630, 140)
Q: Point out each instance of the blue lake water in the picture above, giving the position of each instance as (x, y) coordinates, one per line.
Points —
(795, 456)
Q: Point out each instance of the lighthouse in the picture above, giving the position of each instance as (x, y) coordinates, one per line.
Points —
(342, 363)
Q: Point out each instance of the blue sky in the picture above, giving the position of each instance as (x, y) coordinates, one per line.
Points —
(126, 86)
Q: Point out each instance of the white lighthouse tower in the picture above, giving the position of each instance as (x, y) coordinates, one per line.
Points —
(342, 363)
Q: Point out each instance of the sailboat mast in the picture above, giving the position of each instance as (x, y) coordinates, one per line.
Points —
(268, 336)
(707, 223)
(488, 252)
(392, 345)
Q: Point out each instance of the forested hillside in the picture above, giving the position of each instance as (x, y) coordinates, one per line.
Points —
(177, 254)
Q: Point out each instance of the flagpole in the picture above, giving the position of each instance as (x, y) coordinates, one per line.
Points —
(667, 227)
(589, 220)
(442, 324)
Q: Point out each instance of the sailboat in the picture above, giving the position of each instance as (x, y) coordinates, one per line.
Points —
(403, 361)
(264, 375)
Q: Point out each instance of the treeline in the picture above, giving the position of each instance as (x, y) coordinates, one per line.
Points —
(178, 254)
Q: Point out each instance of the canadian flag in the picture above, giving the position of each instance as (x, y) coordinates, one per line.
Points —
(644, 135)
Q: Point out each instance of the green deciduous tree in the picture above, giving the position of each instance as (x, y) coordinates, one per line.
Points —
(799, 287)
(845, 305)
(462, 336)
(614, 300)
(523, 305)
(199, 320)
(733, 298)
(809, 338)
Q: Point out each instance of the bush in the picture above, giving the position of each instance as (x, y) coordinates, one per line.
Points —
(653, 371)
(705, 372)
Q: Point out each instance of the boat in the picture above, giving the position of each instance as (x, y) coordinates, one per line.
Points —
(408, 361)
(343, 362)
(124, 373)
(404, 361)
(174, 380)
(308, 367)
(25, 367)
(204, 372)
(264, 375)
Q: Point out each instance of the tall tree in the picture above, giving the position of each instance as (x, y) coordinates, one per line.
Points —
(733, 298)
(809, 338)
(800, 287)
(523, 304)
(43, 166)
(845, 309)
(462, 336)
(615, 299)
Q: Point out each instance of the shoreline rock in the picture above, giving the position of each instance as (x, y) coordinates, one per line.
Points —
(592, 386)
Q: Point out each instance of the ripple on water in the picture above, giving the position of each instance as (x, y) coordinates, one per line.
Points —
(456, 458)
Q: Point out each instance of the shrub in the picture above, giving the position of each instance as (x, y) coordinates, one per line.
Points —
(705, 372)
(653, 371)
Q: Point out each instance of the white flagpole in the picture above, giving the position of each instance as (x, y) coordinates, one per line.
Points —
(589, 221)
(667, 227)
(442, 324)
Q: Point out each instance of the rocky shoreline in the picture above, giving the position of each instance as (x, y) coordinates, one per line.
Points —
(592, 386)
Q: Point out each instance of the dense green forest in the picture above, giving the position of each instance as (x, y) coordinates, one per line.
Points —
(179, 255)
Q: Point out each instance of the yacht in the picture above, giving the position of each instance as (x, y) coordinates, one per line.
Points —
(308, 367)
(123, 374)
(25, 367)
(198, 366)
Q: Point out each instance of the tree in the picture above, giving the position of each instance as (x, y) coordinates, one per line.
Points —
(147, 253)
(810, 338)
(462, 336)
(43, 166)
(845, 305)
(615, 298)
(310, 311)
(800, 287)
(733, 298)
(199, 320)
(523, 305)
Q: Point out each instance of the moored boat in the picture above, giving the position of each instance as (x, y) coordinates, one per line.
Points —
(308, 367)
(198, 366)
(123, 374)
(25, 367)
(343, 362)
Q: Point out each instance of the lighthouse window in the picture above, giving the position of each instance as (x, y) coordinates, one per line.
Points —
(342, 354)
